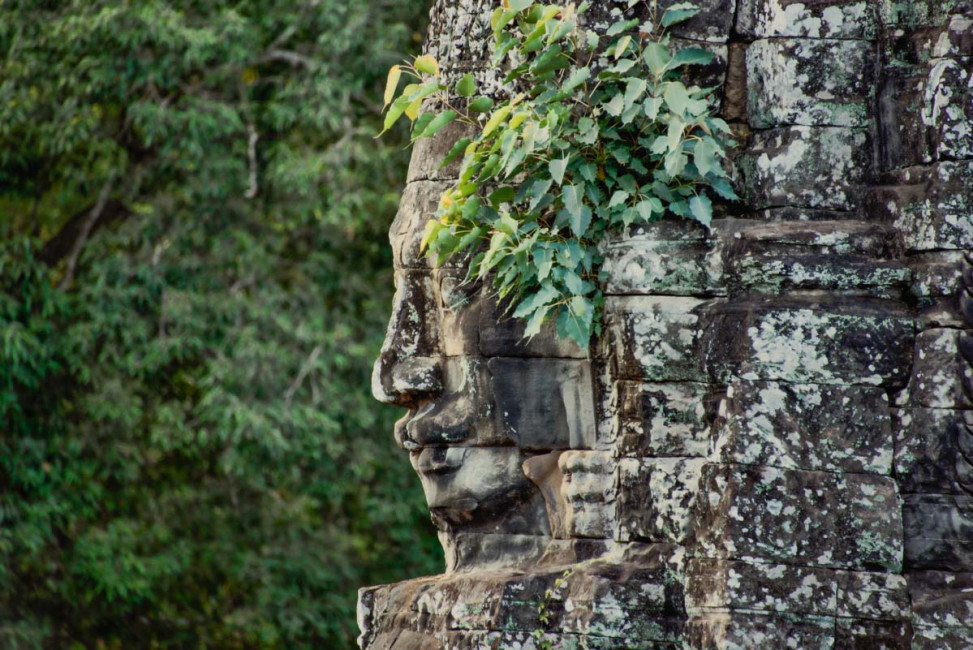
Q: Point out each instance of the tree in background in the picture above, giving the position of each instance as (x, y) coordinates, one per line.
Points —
(193, 283)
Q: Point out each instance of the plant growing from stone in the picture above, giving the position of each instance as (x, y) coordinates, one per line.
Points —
(595, 132)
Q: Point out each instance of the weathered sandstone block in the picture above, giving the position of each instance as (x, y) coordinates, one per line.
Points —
(800, 517)
(809, 339)
(805, 426)
(662, 419)
(938, 531)
(654, 338)
(817, 19)
(809, 82)
(802, 166)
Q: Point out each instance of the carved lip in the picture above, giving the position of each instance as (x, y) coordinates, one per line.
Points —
(437, 460)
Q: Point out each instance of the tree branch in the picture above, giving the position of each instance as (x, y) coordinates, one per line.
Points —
(252, 190)
(287, 56)
(86, 227)
(302, 375)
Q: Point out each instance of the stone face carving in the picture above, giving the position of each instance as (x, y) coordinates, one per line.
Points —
(771, 445)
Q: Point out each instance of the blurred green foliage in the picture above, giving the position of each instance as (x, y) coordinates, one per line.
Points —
(194, 279)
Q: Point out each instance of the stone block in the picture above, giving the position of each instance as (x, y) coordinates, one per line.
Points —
(661, 419)
(501, 335)
(428, 154)
(805, 426)
(810, 82)
(903, 137)
(948, 108)
(459, 312)
(791, 213)
(814, 338)
(800, 517)
(942, 609)
(951, 39)
(661, 258)
(931, 206)
(938, 531)
(874, 596)
(937, 372)
(725, 585)
(864, 634)
(936, 275)
(840, 256)
(655, 498)
(544, 404)
(759, 631)
(653, 338)
(809, 167)
(934, 313)
(928, 457)
(851, 19)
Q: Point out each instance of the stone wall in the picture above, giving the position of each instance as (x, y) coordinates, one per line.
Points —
(771, 445)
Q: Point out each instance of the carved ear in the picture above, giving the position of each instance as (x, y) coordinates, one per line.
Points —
(544, 472)
(964, 434)
(964, 460)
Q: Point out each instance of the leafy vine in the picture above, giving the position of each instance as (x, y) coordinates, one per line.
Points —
(605, 135)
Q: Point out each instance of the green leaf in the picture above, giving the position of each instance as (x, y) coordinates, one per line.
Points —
(543, 261)
(573, 282)
(501, 19)
(395, 73)
(427, 64)
(690, 56)
(657, 57)
(722, 187)
(572, 195)
(507, 225)
(496, 119)
(618, 198)
(395, 112)
(704, 152)
(675, 163)
(646, 208)
(677, 97)
(615, 105)
(500, 195)
(581, 221)
(577, 78)
(437, 124)
(651, 107)
(621, 26)
(622, 46)
(677, 13)
(557, 167)
(564, 28)
(536, 321)
(421, 123)
(546, 295)
(634, 91)
(538, 191)
(456, 151)
(519, 5)
(481, 105)
(466, 86)
(574, 322)
(702, 209)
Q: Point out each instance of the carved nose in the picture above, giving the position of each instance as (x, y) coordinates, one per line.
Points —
(409, 370)
(406, 381)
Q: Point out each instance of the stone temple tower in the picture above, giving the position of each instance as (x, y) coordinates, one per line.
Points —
(771, 444)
